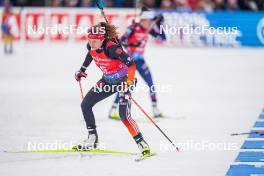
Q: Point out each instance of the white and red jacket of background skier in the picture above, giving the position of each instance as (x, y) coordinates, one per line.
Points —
(136, 37)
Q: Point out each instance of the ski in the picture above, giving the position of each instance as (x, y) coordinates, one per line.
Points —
(261, 132)
(75, 151)
(143, 157)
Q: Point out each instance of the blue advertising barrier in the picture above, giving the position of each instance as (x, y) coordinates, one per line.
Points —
(215, 29)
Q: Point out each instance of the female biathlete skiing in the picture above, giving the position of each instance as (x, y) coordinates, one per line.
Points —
(118, 69)
(135, 40)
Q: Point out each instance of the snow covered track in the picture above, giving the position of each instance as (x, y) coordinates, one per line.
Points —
(217, 91)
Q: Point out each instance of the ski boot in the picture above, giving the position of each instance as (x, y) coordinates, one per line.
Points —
(156, 111)
(114, 114)
(90, 143)
(145, 150)
(143, 147)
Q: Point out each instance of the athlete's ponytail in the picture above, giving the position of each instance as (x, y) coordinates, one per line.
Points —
(111, 30)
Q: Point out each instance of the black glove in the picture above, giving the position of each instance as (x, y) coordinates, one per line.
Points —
(79, 75)
(159, 19)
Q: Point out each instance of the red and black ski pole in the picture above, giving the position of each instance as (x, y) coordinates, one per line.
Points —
(81, 89)
(153, 122)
